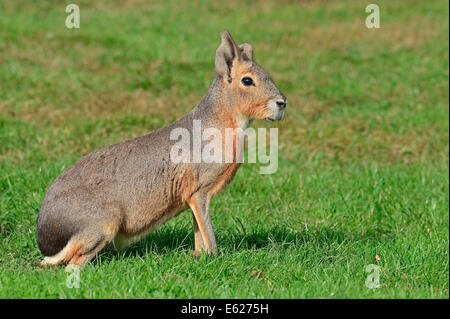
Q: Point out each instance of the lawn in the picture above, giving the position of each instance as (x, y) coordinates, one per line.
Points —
(363, 173)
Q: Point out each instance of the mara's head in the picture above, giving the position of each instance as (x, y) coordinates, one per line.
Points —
(246, 87)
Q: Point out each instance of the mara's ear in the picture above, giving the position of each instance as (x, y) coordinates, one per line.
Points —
(247, 51)
(226, 53)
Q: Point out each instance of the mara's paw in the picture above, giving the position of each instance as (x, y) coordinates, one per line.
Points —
(196, 254)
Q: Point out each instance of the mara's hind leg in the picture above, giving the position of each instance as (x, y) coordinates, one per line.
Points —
(92, 243)
(82, 247)
(63, 256)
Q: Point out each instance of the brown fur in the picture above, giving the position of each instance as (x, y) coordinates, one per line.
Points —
(120, 193)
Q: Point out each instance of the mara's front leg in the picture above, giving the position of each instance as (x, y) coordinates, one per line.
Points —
(203, 231)
(198, 240)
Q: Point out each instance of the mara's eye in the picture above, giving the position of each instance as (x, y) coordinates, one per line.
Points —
(247, 81)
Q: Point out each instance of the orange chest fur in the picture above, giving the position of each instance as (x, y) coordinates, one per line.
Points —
(225, 178)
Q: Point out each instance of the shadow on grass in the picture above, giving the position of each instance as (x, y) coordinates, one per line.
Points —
(169, 240)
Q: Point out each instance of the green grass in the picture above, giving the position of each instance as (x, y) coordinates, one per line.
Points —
(363, 159)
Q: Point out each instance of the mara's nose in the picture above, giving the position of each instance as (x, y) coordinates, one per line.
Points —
(282, 104)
